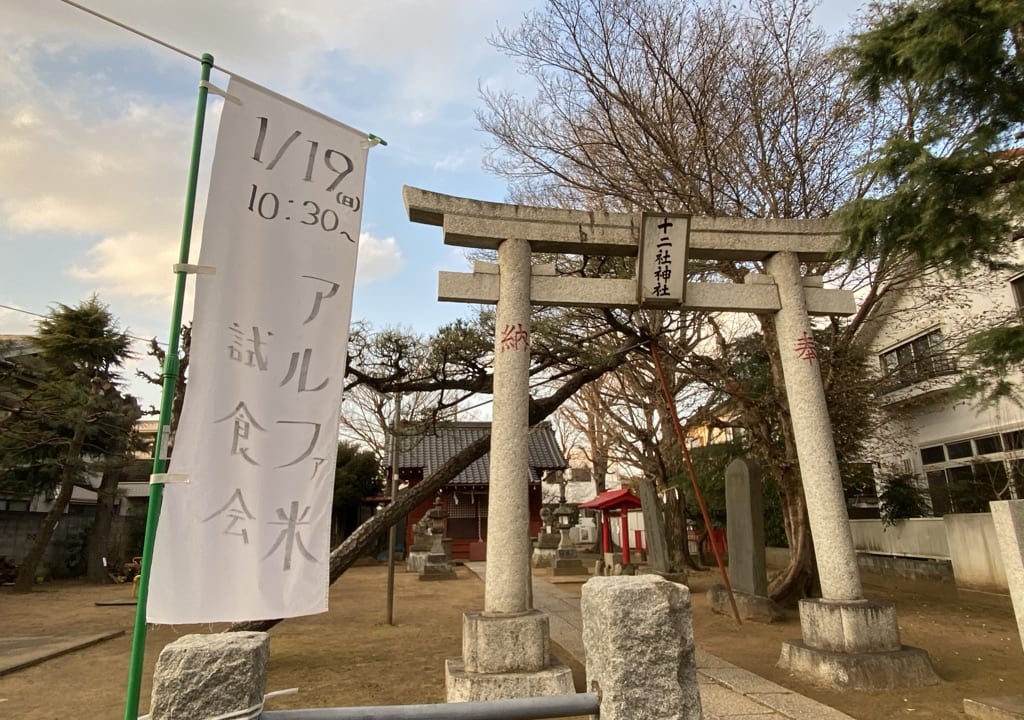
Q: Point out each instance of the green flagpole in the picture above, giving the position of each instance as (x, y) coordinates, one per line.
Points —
(170, 376)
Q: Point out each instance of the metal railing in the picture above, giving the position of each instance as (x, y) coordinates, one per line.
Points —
(534, 708)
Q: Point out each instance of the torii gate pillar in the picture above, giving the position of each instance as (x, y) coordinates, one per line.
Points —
(848, 642)
(491, 669)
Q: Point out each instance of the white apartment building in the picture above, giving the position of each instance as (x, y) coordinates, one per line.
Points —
(964, 452)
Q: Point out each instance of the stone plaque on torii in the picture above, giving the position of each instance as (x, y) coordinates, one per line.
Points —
(843, 634)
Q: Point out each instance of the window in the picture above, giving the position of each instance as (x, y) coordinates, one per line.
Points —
(959, 450)
(989, 444)
(934, 454)
(1017, 285)
(920, 359)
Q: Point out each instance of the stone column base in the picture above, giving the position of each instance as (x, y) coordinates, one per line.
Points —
(463, 686)
(907, 667)
(855, 645)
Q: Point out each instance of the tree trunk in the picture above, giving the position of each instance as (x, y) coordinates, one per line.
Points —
(600, 472)
(27, 570)
(99, 536)
(800, 577)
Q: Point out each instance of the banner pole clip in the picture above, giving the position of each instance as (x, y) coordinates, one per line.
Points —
(165, 478)
(194, 269)
(214, 90)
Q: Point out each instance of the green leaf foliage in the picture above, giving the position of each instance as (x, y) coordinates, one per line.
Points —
(901, 498)
(948, 182)
(68, 380)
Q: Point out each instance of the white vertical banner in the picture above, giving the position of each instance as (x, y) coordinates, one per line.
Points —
(248, 536)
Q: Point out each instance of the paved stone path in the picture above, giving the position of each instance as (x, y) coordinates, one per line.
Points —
(21, 652)
(726, 691)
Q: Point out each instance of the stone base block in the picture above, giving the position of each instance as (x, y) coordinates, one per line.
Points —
(1010, 707)
(755, 608)
(437, 573)
(210, 675)
(517, 643)
(543, 557)
(849, 626)
(907, 667)
(437, 567)
(567, 562)
(463, 686)
(415, 562)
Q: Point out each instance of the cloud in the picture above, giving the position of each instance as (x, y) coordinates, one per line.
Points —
(379, 259)
(455, 160)
(130, 265)
(16, 321)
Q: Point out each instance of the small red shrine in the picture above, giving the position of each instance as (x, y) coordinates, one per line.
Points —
(614, 503)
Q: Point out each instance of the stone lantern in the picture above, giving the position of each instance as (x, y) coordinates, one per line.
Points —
(567, 562)
(436, 565)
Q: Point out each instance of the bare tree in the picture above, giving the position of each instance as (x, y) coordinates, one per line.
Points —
(695, 106)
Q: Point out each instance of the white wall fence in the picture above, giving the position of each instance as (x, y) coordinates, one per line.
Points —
(967, 541)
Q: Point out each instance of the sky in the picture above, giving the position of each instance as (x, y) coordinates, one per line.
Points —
(96, 126)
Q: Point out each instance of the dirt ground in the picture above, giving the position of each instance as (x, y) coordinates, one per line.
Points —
(350, 656)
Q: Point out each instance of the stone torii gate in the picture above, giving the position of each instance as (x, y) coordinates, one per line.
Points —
(505, 647)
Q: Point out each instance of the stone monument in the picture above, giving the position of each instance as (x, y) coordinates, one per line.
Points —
(748, 574)
(658, 557)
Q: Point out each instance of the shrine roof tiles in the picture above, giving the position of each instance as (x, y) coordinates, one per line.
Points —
(432, 449)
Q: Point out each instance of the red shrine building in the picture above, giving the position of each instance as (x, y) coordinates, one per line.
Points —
(465, 497)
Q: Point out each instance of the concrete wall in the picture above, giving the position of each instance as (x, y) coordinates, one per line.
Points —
(974, 552)
(914, 537)
(926, 547)
(907, 567)
(18, 531)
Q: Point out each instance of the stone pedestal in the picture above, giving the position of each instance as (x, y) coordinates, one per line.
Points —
(855, 645)
(437, 567)
(567, 562)
(543, 557)
(546, 550)
(416, 560)
(210, 675)
(756, 608)
(505, 656)
(638, 636)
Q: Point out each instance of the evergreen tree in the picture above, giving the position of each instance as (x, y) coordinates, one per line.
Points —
(67, 415)
(949, 181)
